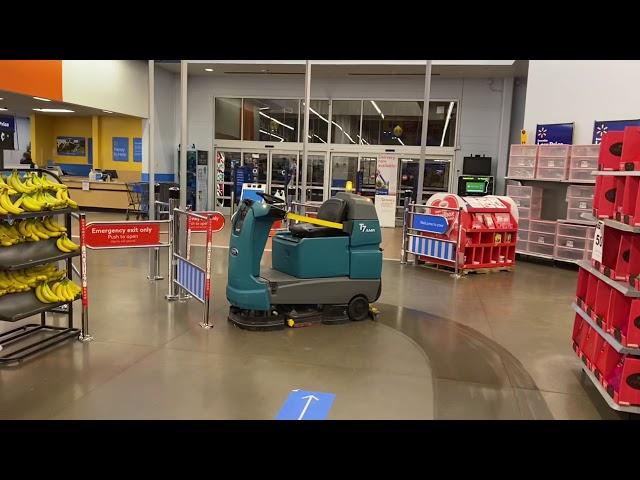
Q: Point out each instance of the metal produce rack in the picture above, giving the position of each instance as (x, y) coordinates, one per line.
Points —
(28, 340)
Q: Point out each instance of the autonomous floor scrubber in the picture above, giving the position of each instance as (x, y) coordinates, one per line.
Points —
(325, 269)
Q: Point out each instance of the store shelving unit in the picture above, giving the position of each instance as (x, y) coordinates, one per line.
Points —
(28, 340)
(557, 171)
(606, 331)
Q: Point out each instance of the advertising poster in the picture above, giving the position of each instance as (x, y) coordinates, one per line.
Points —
(554, 133)
(219, 178)
(386, 186)
(137, 149)
(120, 149)
(71, 146)
(600, 127)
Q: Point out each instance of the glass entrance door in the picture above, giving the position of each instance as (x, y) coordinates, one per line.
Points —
(343, 169)
(226, 161)
(368, 166)
(407, 183)
(259, 163)
(279, 164)
(315, 177)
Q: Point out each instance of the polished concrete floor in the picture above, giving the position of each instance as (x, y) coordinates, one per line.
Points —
(493, 346)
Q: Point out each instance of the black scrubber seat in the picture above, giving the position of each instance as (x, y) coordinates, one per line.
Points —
(333, 210)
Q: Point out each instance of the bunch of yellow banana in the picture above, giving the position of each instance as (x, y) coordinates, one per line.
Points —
(61, 291)
(34, 194)
(26, 279)
(9, 235)
(65, 244)
(63, 196)
(35, 230)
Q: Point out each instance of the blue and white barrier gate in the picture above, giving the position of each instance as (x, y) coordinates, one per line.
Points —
(191, 277)
(183, 273)
(418, 220)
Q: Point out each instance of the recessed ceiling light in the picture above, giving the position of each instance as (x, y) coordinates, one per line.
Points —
(1, 98)
(107, 111)
(2, 109)
(208, 69)
(43, 99)
(53, 110)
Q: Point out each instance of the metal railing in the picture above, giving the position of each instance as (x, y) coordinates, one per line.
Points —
(185, 275)
(417, 244)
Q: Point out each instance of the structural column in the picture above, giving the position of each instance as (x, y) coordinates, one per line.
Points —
(425, 125)
(184, 140)
(305, 139)
(152, 139)
(503, 137)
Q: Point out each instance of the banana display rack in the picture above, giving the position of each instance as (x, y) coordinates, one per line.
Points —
(32, 247)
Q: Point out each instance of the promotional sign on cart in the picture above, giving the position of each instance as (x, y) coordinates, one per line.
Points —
(122, 235)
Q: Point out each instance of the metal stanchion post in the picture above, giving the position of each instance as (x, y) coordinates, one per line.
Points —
(84, 334)
(174, 199)
(154, 253)
(207, 279)
(405, 219)
(457, 256)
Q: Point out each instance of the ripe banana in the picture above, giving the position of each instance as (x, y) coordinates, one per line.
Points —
(61, 246)
(65, 245)
(35, 229)
(7, 204)
(53, 226)
(31, 204)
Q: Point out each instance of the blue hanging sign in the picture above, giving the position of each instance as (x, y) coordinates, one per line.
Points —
(430, 223)
(305, 405)
(137, 149)
(602, 127)
(554, 133)
(120, 149)
(7, 123)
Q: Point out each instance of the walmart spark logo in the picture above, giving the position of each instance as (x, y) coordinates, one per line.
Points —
(542, 133)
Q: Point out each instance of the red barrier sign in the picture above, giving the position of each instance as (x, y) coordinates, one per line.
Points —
(200, 224)
(122, 235)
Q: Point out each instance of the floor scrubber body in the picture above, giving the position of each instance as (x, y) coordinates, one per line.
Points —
(327, 271)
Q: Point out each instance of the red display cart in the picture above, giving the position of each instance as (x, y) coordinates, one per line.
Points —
(465, 233)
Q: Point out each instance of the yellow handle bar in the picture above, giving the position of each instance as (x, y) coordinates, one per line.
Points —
(314, 221)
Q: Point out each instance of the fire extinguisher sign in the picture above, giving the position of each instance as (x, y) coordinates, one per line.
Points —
(598, 242)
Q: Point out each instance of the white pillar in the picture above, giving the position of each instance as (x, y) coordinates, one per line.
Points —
(305, 138)
(184, 140)
(152, 139)
(425, 124)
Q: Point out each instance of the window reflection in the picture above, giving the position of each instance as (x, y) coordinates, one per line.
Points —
(441, 128)
(345, 121)
(227, 113)
(318, 121)
(270, 120)
(384, 122)
(391, 122)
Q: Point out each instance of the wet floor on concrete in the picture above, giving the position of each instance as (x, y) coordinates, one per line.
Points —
(494, 346)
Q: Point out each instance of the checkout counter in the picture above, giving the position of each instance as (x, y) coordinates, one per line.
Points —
(101, 194)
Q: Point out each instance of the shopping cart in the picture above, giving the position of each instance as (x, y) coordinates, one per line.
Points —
(138, 194)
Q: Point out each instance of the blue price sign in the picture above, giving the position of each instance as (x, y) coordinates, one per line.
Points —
(430, 223)
(137, 149)
(554, 133)
(305, 405)
(602, 127)
(120, 149)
